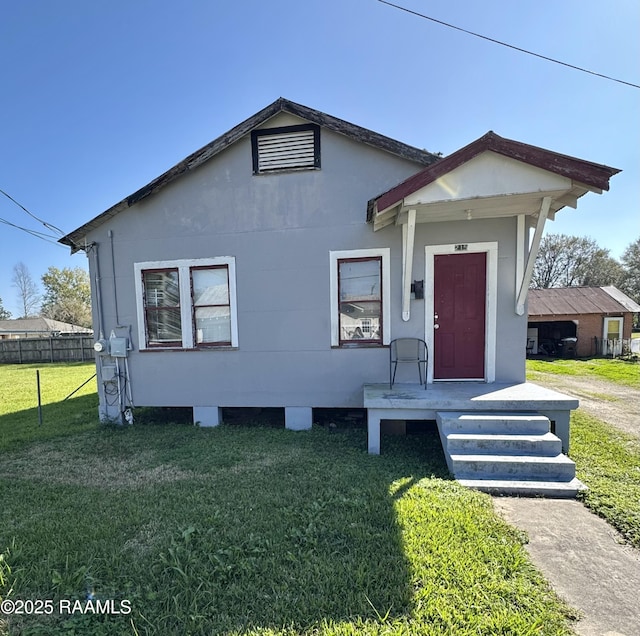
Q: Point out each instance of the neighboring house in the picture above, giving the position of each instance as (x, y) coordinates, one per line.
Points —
(600, 318)
(38, 328)
(268, 270)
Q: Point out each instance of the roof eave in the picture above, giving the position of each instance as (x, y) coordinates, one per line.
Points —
(595, 176)
(197, 158)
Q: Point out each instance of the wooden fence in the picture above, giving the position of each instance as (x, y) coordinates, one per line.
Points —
(60, 349)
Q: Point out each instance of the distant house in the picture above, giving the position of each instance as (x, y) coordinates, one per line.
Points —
(599, 317)
(38, 328)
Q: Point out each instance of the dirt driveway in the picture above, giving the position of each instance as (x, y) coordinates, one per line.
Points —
(612, 403)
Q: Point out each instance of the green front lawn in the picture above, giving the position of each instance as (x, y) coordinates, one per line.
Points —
(239, 530)
(619, 371)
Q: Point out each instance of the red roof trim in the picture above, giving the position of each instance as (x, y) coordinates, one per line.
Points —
(592, 174)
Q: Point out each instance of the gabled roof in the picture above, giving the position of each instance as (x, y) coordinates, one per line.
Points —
(193, 161)
(39, 325)
(594, 175)
(563, 301)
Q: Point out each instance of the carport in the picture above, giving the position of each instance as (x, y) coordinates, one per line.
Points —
(547, 337)
(599, 317)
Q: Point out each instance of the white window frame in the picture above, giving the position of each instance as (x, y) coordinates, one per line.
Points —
(186, 308)
(384, 253)
(607, 321)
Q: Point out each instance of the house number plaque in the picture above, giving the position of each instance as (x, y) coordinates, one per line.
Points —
(461, 248)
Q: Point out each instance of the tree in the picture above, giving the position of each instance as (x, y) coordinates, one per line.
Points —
(28, 294)
(67, 295)
(4, 314)
(566, 261)
(601, 270)
(630, 283)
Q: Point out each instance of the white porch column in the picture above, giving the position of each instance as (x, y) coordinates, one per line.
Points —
(533, 252)
(562, 424)
(521, 247)
(373, 431)
(408, 237)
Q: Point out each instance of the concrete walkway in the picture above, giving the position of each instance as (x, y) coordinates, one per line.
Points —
(583, 558)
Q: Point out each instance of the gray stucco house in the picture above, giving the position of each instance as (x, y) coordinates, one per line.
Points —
(274, 266)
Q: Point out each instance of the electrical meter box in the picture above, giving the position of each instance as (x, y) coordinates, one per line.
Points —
(118, 347)
(108, 372)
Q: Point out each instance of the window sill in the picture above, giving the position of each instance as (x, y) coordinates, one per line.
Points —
(183, 349)
(361, 345)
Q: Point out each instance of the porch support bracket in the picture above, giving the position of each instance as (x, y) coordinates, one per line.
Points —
(533, 253)
(408, 237)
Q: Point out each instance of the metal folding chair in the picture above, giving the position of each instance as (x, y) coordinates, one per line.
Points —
(408, 350)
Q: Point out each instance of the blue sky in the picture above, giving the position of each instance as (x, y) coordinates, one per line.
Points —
(98, 98)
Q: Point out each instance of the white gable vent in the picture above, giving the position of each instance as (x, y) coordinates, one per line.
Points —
(289, 148)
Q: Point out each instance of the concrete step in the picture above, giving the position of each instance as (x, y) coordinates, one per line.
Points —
(527, 488)
(519, 467)
(546, 445)
(499, 423)
(507, 453)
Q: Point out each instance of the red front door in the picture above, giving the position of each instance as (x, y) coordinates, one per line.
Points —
(459, 316)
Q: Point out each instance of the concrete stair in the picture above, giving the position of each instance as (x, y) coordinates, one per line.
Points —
(507, 453)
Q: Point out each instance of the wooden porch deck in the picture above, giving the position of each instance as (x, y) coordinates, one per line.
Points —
(413, 402)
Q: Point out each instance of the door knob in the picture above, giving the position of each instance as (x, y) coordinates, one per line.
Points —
(436, 326)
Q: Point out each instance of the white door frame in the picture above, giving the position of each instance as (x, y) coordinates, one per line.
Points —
(616, 348)
(491, 295)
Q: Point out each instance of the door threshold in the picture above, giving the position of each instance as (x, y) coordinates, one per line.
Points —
(478, 380)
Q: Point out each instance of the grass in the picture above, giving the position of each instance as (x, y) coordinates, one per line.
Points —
(607, 460)
(619, 371)
(254, 530)
(19, 420)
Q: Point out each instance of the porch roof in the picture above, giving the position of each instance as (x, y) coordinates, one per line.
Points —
(490, 177)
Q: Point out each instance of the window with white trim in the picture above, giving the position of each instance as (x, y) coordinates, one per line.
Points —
(360, 299)
(162, 308)
(211, 305)
(286, 148)
(186, 304)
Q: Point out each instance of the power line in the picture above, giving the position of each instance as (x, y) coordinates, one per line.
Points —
(49, 226)
(40, 235)
(511, 46)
